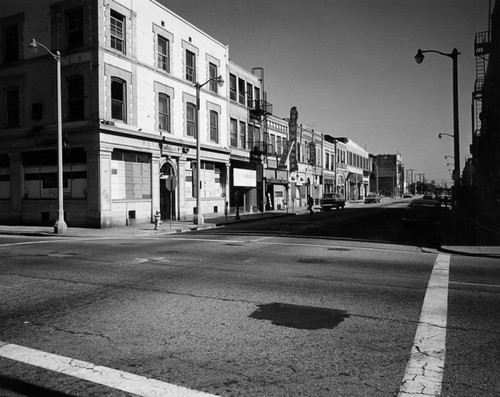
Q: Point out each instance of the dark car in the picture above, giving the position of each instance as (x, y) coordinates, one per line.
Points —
(407, 195)
(332, 200)
(423, 212)
(372, 198)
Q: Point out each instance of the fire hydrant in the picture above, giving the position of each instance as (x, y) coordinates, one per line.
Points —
(157, 220)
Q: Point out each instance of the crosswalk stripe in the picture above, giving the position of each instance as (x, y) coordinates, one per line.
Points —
(424, 372)
(109, 377)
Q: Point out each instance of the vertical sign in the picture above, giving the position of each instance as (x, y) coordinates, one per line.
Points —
(292, 130)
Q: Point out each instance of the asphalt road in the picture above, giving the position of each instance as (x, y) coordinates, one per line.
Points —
(315, 305)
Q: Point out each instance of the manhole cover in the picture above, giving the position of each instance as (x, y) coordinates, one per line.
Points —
(300, 317)
(314, 261)
(338, 249)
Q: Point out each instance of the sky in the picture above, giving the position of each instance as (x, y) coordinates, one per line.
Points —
(349, 68)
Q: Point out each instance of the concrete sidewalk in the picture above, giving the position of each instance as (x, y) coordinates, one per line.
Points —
(148, 229)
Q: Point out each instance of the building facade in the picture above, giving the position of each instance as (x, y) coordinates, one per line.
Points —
(129, 112)
(387, 175)
(141, 106)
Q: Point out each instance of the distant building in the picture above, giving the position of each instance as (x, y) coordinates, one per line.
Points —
(387, 175)
(483, 201)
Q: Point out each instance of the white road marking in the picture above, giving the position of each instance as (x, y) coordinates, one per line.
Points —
(113, 378)
(424, 372)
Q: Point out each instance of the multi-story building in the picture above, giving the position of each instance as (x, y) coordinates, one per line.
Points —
(484, 204)
(129, 112)
(334, 164)
(387, 174)
(358, 171)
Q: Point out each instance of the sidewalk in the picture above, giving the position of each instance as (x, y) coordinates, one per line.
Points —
(148, 229)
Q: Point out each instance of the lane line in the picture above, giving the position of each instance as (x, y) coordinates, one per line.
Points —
(110, 377)
(424, 372)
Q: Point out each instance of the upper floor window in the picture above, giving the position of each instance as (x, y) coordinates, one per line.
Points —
(214, 126)
(164, 112)
(11, 44)
(190, 66)
(241, 91)
(75, 97)
(74, 28)
(257, 93)
(243, 133)
(213, 74)
(249, 95)
(163, 53)
(118, 99)
(117, 31)
(232, 87)
(191, 119)
(233, 125)
(12, 108)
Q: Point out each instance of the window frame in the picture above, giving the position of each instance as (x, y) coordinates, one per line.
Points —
(241, 91)
(11, 46)
(117, 33)
(115, 101)
(163, 58)
(233, 132)
(191, 121)
(190, 72)
(232, 87)
(213, 73)
(75, 36)
(214, 126)
(164, 117)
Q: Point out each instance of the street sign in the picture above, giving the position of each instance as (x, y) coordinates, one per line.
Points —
(170, 183)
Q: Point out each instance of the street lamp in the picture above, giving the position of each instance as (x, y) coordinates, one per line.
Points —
(448, 157)
(198, 218)
(440, 135)
(454, 56)
(60, 226)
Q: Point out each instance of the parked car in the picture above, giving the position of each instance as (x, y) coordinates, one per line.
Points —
(332, 200)
(372, 198)
(428, 196)
(407, 195)
(423, 211)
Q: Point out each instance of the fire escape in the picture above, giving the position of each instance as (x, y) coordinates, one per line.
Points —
(260, 111)
(482, 48)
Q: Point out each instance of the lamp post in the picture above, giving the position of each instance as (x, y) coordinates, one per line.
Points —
(456, 137)
(198, 217)
(60, 226)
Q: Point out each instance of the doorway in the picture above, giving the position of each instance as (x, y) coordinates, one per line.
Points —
(167, 198)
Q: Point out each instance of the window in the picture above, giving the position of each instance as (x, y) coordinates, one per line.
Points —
(214, 126)
(249, 95)
(11, 44)
(12, 96)
(232, 87)
(117, 31)
(213, 74)
(250, 136)
(233, 125)
(191, 119)
(164, 112)
(75, 97)
(130, 175)
(256, 133)
(118, 102)
(190, 66)
(163, 54)
(241, 91)
(327, 161)
(243, 133)
(280, 146)
(257, 93)
(74, 28)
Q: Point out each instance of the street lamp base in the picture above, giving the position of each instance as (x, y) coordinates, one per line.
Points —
(60, 227)
(198, 219)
